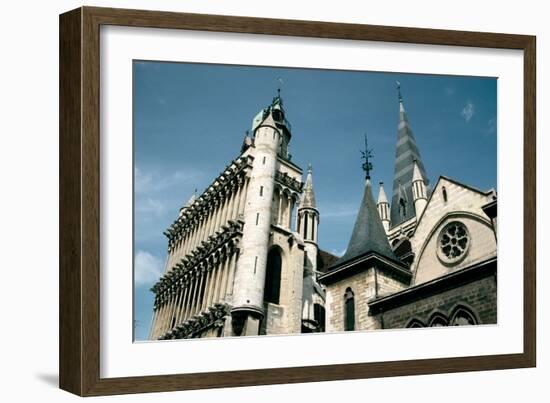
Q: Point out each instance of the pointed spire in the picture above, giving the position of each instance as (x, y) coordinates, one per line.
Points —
(382, 194)
(308, 195)
(417, 175)
(420, 192)
(383, 207)
(368, 233)
(402, 207)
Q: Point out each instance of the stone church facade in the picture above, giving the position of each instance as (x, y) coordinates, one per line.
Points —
(243, 257)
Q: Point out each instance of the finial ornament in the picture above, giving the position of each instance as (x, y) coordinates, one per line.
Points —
(309, 168)
(279, 85)
(367, 155)
(398, 85)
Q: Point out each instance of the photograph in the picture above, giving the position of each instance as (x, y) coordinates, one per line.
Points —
(286, 201)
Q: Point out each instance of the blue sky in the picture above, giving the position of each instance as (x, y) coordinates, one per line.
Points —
(190, 119)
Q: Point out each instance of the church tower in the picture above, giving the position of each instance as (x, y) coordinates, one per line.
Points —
(248, 298)
(235, 264)
(406, 153)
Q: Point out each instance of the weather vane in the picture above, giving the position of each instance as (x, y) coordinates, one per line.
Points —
(367, 155)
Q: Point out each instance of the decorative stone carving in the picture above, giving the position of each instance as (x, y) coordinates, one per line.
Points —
(213, 317)
(453, 243)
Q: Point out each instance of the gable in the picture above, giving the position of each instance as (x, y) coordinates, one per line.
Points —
(462, 204)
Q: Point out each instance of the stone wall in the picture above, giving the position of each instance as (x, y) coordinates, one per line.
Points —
(463, 204)
(479, 296)
(363, 285)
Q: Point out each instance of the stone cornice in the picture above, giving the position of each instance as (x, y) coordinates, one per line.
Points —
(201, 257)
(288, 181)
(228, 180)
(213, 317)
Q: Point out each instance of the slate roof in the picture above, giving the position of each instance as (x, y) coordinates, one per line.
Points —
(406, 153)
(368, 233)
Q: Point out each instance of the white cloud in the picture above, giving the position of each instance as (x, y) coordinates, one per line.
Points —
(153, 181)
(468, 111)
(340, 211)
(147, 268)
(150, 206)
(338, 253)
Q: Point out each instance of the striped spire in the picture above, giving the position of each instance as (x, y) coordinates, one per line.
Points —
(406, 153)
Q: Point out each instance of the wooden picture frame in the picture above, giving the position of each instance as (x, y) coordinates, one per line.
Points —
(79, 279)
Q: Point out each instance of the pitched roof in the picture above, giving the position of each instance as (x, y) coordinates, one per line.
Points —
(368, 233)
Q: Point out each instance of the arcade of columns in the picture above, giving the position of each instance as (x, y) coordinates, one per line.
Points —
(203, 252)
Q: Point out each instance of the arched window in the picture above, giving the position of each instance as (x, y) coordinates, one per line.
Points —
(349, 310)
(319, 316)
(438, 319)
(463, 317)
(444, 193)
(415, 323)
(272, 287)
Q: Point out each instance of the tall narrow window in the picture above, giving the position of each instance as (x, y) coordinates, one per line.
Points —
(257, 218)
(313, 229)
(349, 310)
(261, 190)
(263, 161)
(305, 225)
(403, 208)
(272, 288)
(444, 192)
(319, 316)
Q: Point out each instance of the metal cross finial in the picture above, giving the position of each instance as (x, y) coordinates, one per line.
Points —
(367, 155)
(398, 84)
(309, 168)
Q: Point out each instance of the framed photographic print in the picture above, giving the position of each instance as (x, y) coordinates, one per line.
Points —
(249, 201)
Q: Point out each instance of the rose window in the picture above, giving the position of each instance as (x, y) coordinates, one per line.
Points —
(453, 243)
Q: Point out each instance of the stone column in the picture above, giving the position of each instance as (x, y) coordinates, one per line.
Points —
(217, 281)
(225, 206)
(192, 288)
(232, 267)
(225, 276)
(198, 305)
(207, 280)
(181, 307)
(210, 288)
(234, 200)
(290, 207)
(242, 202)
(280, 211)
(186, 299)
